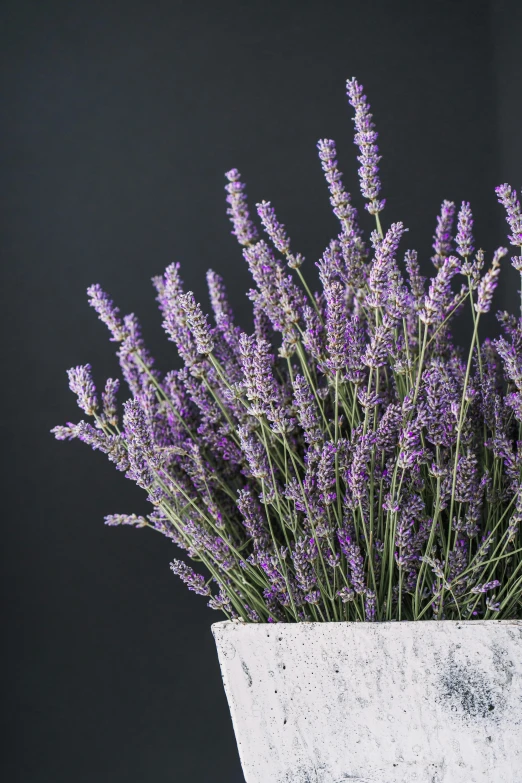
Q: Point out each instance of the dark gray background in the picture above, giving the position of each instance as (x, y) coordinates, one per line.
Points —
(119, 120)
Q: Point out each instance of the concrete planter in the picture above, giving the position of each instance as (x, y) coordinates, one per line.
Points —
(425, 702)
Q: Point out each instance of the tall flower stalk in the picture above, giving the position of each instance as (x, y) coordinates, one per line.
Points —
(345, 461)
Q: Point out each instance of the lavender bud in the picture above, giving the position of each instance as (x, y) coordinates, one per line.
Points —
(81, 383)
(442, 238)
(198, 323)
(244, 230)
(464, 238)
(110, 406)
(485, 587)
(489, 282)
(365, 139)
(307, 412)
(508, 198)
(438, 299)
(125, 519)
(339, 198)
(194, 582)
(276, 232)
(336, 326)
(492, 605)
(346, 594)
(107, 312)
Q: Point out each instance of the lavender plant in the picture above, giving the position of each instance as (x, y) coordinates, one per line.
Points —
(346, 461)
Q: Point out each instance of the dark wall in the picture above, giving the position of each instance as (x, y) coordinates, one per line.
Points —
(118, 122)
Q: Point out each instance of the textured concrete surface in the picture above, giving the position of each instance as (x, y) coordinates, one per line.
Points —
(426, 702)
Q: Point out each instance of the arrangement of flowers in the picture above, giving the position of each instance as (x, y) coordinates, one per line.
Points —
(347, 461)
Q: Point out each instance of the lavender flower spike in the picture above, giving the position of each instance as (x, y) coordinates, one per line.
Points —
(81, 383)
(339, 197)
(194, 582)
(114, 520)
(365, 139)
(276, 232)
(438, 298)
(198, 323)
(489, 282)
(107, 312)
(336, 326)
(508, 198)
(110, 407)
(442, 238)
(244, 230)
(464, 238)
(223, 314)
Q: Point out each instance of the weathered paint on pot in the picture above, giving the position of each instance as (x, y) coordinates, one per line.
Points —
(424, 702)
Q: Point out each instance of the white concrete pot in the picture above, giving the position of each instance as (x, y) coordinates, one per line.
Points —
(423, 702)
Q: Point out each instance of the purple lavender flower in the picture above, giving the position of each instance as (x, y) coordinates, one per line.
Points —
(255, 454)
(339, 197)
(438, 300)
(303, 555)
(125, 519)
(81, 383)
(140, 445)
(442, 239)
(345, 456)
(307, 412)
(223, 314)
(492, 605)
(313, 336)
(110, 406)
(357, 474)
(175, 321)
(467, 478)
(439, 397)
(107, 312)
(346, 594)
(330, 265)
(135, 361)
(111, 445)
(508, 198)
(365, 139)
(464, 238)
(313, 597)
(198, 324)
(411, 451)
(65, 431)
(415, 279)
(485, 588)
(244, 230)
(259, 384)
(384, 269)
(221, 602)
(489, 282)
(326, 478)
(352, 551)
(276, 232)
(355, 348)
(253, 519)
(336, 326)
(380, 347)
(276, 293)
(369, 606)
(194, 582)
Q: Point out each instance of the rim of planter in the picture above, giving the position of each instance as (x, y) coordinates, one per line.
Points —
(423, 623)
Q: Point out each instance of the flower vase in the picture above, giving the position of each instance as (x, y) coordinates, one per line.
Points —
(389, 702)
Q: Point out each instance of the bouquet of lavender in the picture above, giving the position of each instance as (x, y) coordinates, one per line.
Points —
(346, 461)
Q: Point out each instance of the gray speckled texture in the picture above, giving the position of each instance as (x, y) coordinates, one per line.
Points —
(425, 702)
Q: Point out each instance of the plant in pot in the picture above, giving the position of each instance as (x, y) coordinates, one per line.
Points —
(348, 481)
